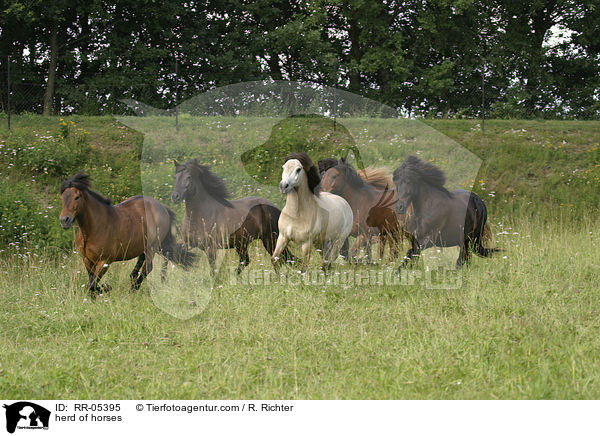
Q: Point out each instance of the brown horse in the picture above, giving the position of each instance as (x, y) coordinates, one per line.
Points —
(138, 227)
(440, 218)
(389, 223)
(365, 199)
(211, 221)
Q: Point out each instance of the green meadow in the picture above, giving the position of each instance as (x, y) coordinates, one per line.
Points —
(520, 325)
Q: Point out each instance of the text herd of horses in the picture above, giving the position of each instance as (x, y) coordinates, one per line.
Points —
(324, 206)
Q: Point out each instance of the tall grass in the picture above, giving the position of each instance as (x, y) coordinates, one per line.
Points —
(522, 325)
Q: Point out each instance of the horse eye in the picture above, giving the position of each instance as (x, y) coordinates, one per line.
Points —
(297, 170)
(77, 198)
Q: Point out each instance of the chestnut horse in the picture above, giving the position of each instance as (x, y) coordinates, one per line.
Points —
(138, 227)
(440, 217)
(390, 224)
(371, 204)
(211, 221)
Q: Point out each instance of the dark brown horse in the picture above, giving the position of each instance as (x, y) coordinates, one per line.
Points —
(440, 217)
(365, 199)
(138, 227)
(211, 221)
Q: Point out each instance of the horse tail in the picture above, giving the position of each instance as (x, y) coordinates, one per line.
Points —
(173, 251)
(483, 232)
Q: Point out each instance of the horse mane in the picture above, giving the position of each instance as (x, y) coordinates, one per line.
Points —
(213, 184)
(327, 163)
(83, 182)
(352, 177)
(312, 173)
(426, 172)
(380, 177)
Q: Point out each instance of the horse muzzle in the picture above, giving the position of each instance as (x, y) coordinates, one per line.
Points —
(176, 197)
(66, 221)
(285, 187)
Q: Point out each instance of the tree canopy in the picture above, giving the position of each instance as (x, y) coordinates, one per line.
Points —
(533, 58)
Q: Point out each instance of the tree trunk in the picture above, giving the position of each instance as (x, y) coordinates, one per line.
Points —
(274, 67)
(49, 93)
(541, 23)
(355, 54)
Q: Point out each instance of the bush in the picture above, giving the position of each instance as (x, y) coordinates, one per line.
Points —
(21, 219)
(57, 155)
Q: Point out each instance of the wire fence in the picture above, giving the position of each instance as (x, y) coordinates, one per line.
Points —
(19, 95)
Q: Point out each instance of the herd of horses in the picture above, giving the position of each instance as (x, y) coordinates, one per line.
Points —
(325, 204)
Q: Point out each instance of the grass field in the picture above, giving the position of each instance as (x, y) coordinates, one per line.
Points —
(524, 324)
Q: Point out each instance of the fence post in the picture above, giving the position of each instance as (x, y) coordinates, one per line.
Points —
(483, 98)
(335, 79)
(176, 94)
(8, 90)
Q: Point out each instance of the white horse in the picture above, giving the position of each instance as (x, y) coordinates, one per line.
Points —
(309, 216)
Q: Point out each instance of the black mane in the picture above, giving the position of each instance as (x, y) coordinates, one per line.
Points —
(327, 163)
(312, 173)
(416, 168)
(212, 183)
(83, 182)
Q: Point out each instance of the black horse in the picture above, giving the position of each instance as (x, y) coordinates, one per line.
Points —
(440, 218)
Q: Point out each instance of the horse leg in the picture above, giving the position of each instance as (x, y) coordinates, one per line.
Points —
(306, 250)
(242, 249)
(89, 266)
(381, 248)
(345, 248)
(463, 256)
(136, 268)
(269, 240)
(146, 269)
(414, 251)
(98, 270)
(331, 250)
(356, 248)
(368, 246)
(395, 239)
(279, 247)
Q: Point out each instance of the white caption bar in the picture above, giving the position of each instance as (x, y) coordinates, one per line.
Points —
(297, 417)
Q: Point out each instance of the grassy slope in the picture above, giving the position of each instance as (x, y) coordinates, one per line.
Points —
(521, 327)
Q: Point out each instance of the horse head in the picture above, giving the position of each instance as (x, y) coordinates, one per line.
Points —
(405, 189)
(73, 198)
(333, 181)
(194, 180)
(183, 183)
(299, 168)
